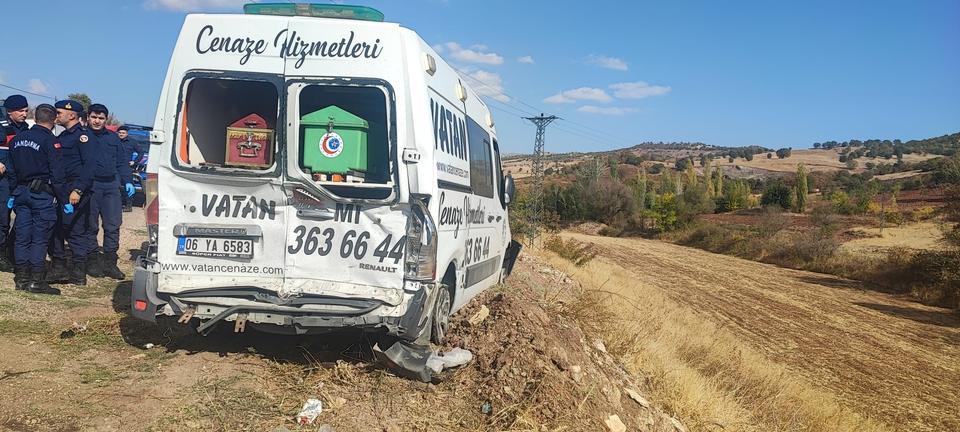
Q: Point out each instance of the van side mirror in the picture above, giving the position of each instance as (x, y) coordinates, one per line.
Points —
(509, 189)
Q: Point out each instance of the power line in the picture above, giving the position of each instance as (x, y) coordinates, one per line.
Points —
(27, 92)
(619, 140)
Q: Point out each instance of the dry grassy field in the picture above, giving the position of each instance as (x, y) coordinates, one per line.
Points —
(731, 344)
(813, 159)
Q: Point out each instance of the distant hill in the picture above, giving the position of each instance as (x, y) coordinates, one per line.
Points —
(752, 161)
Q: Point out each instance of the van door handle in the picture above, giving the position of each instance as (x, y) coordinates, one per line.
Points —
(315, 214)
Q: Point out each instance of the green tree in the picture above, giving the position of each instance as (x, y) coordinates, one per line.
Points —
(640, 191)
(735, 196)
(691, 175)
(82, 98)
(800, 190)
(777, 194)
(665, 212)
(718, 181)
(707, 178)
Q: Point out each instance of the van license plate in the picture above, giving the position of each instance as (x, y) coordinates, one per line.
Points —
(215, 247)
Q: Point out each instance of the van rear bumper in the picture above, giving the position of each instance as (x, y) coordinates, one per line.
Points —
(303, 314)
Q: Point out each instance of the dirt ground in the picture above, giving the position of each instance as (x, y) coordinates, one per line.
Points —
(885, 358)
(79, 362)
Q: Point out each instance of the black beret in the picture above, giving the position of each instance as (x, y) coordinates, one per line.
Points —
(15, 102)
(69, 104)
(124, 127)
(98, 108)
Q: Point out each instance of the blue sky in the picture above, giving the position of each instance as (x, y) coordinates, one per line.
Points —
(776, 74)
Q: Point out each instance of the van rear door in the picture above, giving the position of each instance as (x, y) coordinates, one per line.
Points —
(345, 228)
(222, 218)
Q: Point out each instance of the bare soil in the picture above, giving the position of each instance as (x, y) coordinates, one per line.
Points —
(78, 362)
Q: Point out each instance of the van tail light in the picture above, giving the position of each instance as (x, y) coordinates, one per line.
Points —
(420, 261)
(152, 197)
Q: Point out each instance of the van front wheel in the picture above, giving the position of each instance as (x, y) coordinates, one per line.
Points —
(441, 316)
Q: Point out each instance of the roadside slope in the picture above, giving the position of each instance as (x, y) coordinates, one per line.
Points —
(889, 360)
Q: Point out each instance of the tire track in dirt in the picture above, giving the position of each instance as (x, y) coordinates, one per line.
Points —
(885, 357)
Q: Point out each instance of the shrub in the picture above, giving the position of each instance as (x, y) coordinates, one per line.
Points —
(607, 199)
(777, 194)
(937, 277)
(772, 221)
(922, 214)
(578, 253)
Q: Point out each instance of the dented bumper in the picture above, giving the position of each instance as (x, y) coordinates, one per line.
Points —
(300, 314)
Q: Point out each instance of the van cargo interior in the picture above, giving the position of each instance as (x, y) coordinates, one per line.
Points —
(212, 105)
(343, 134)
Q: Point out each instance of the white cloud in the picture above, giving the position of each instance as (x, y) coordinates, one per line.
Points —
(492, 85)
(605, 110)
(607, 62)
(582, 93)
(474, 54)
(525, 59)
(195, 5)
(37, 86)
(638, 90)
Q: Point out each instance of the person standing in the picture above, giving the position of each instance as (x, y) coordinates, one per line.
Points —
(133, 152)
(110, 171)
(73, 225)
(14, 123)
(35, 178)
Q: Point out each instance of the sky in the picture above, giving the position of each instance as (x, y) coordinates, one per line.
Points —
(775, 74)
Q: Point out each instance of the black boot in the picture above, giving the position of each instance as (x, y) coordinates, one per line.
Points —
(21, 277)
(58, 270)
(38, 283)
(127, 208)
(78, 273)
(110, 268)
(5, 265)
(94, 268)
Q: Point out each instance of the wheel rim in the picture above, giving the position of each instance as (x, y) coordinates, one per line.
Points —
(441, 316)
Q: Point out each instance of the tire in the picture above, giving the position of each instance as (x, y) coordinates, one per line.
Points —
(440, 323)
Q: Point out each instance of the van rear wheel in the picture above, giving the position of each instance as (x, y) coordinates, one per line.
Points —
(441, 316)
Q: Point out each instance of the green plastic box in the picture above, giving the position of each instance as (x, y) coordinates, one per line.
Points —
(320, 132)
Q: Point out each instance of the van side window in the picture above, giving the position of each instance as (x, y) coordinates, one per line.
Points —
(498, 170)
(343, 134)
(481, 170)
(228, 123)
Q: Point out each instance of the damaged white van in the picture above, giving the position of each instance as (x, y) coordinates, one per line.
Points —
(315, 168)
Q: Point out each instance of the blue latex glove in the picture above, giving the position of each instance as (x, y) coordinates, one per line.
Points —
(10, 203)
(133, 157)
(68, 208)
(130, 189)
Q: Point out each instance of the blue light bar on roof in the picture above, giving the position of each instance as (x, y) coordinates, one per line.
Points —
(362, 13)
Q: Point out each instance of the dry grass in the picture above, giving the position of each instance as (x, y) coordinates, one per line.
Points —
(578, 253)
(697, 369)
(926, 235)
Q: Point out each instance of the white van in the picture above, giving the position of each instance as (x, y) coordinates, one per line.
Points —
(315, 168)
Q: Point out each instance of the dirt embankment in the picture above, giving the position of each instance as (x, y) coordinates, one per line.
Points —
(78, 362)
(737, 344)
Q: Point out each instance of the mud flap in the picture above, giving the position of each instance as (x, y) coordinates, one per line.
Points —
(510, 257)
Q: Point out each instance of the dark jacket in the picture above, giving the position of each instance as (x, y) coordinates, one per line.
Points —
(111, 161)
(79, 159)
(33, 155)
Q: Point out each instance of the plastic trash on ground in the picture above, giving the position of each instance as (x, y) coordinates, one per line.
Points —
(450, 359)
(310, 411)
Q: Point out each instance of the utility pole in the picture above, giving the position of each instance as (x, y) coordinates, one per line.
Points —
(536, 215)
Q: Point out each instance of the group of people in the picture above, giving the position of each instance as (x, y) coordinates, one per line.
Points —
(61, 189)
